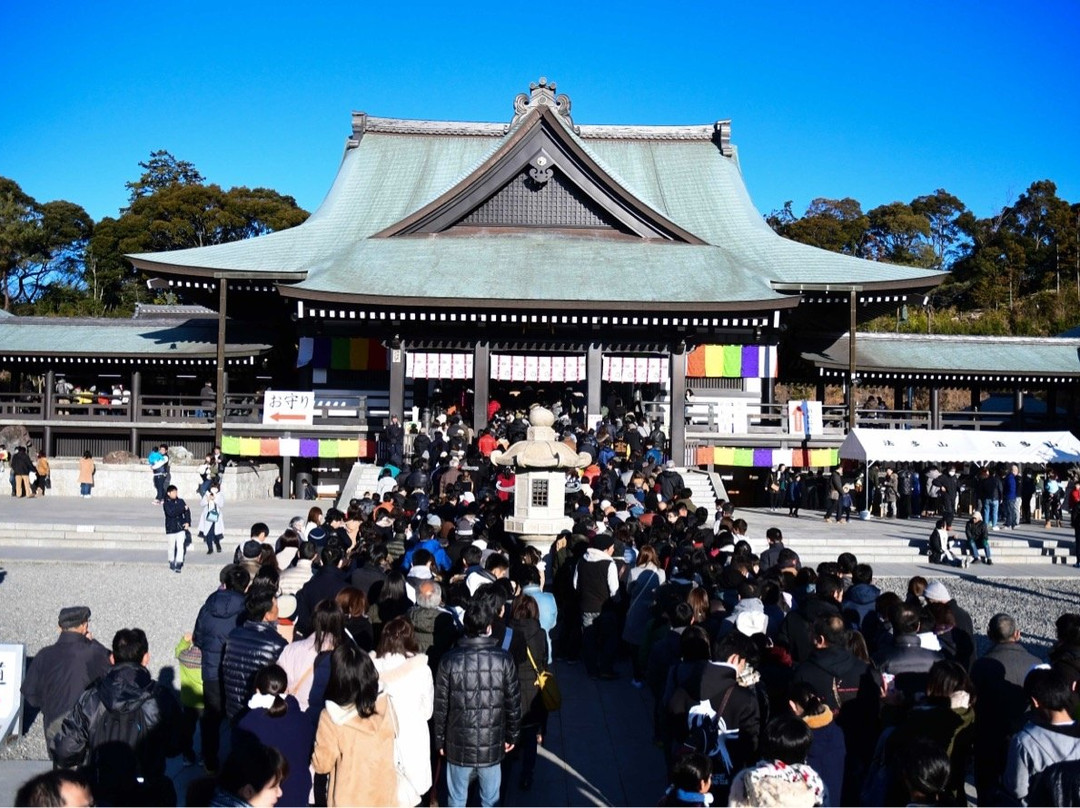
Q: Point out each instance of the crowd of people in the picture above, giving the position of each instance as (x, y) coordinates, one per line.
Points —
(402, 649)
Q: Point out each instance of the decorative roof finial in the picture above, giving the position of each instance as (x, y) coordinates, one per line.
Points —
(541, 94)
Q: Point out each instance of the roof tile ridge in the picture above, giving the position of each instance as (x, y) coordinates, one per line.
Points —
(364, 123)
(704, 131)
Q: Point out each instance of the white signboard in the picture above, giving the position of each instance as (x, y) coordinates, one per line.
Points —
(804, 418)
(12, 662)
(288, 407)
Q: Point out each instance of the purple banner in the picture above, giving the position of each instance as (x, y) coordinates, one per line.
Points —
(750, 365)
(309, 447)
(762, 457)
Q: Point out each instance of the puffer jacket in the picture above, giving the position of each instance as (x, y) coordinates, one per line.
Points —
(247, 648)
(125, 688)
(477, 703)
(222, 612)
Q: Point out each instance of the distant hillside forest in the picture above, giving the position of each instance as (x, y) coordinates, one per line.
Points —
(1016, 272)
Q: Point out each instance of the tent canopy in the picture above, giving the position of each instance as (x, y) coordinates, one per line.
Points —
(958, 446)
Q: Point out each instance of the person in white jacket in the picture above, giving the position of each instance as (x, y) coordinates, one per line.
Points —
(404, 675)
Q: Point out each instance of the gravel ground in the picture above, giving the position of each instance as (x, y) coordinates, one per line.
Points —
(146, 596)
(165, 606)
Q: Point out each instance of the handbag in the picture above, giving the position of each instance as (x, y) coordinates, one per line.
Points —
(212, 515)
(407, 792)
(549, 688)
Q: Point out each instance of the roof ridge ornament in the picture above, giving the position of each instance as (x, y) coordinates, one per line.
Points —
(541, 94)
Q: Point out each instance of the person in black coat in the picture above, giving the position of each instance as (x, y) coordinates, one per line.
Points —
(222, 612)
(327, 580)
(530, 656)
(123, 728)
(852, 689)
(250, 647)
(796, 632)
(477, 715)
(61, 672)
(716, 682)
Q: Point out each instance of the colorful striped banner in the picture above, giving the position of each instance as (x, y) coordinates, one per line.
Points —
(732, 362)
(348, 448)
(342, 353)
(763, 457)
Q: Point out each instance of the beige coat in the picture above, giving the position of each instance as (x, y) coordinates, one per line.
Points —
(358, 754)
(86, 471)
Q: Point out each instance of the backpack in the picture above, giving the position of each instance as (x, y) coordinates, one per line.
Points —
(117, 743)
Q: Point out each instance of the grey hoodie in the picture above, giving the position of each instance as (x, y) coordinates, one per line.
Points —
(1033, 749)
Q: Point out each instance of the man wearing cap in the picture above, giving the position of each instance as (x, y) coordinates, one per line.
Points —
(61, 672)
(596, 581)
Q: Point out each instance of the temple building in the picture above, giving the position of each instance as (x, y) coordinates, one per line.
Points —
(457, 264)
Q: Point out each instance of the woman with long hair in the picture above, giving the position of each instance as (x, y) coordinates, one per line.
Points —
(314, 520)
(406, 679)
(299, 658)
(393, 602)
(354, 742)
(354, 605)
(641, 592)
(274, 718)
(531, 656)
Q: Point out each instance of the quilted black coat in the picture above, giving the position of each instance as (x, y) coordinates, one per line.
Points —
(477, 703)
(247, 649)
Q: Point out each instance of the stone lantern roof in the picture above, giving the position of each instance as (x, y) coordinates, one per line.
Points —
(541, 449)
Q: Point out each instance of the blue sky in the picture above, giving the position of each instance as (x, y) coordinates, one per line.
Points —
(871, 100)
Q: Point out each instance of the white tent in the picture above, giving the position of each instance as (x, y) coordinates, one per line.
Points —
(958, 446)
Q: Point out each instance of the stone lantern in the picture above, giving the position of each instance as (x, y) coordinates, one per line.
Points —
(540, 462)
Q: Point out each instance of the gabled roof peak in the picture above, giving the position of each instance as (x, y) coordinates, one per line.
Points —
(541, 94)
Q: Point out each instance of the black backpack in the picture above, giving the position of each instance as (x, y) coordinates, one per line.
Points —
(117, 744)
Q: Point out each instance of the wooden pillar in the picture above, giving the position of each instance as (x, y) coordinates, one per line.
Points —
(219, 404)
(1018, 406)
(286, 476)
(1051, 406)
(594, 367)
(935, 407)
(397, 383)
(136, 409)
(820, 392)
(898, 397)
(481, 385)
(136, 396)
(48, 410)
(677, 366)
(853, 300)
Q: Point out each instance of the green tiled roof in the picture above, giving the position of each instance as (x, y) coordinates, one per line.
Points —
(390, 175)
(954, 355)
(96, 337)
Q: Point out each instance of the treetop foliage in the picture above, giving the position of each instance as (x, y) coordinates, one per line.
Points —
(54, 259)
(1015, 272)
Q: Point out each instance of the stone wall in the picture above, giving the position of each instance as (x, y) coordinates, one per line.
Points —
(134, 480)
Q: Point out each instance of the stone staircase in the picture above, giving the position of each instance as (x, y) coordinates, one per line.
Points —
(111, 537)
(703, 491)
(362, 479)
(813, 550)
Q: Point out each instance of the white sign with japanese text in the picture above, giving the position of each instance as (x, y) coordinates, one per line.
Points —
(288, 407)
(12, 662)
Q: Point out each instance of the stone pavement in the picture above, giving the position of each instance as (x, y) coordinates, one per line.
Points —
(72, 529)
